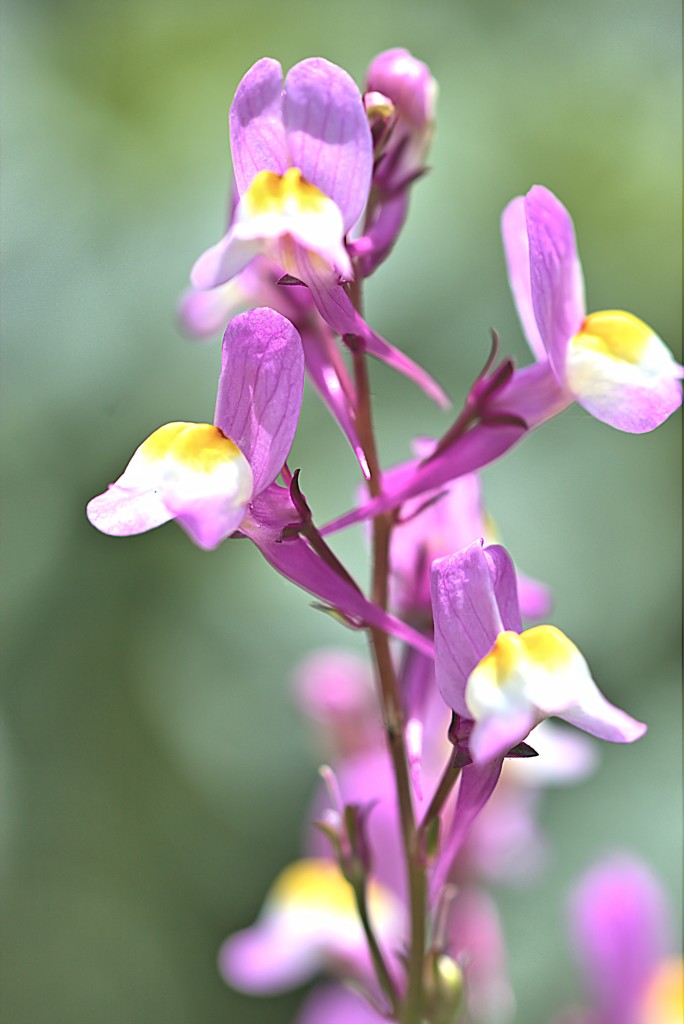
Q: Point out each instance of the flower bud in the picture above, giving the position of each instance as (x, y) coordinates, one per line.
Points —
(407, 82)
(444, 989)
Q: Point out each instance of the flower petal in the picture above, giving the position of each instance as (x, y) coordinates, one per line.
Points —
(473, 597)
(187, 471)
(260, 390)
(257, 134)
(478, 782)
(337, 1005)
(123, 512)
(528, 677)
(517, 253)
(328, 136)
(224, 261)
(622, 373)
(555, 273)
(205, 313)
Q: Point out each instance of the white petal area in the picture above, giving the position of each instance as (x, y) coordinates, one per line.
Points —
(123, 512)
(185, 471)
(529, 677)
(290, 209)
(621, 372)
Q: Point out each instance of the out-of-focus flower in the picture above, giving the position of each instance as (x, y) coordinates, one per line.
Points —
(503, 679)
(334, 689)
(334, 1004)
(610, 362)
(621, 934)
(309, 922)
(302, 158)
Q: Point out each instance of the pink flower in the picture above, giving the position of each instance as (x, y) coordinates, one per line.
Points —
(218, 479)
(610, 362)
(302, 158)
(500, 677)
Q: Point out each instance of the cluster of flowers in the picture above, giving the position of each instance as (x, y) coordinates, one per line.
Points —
(432, 785)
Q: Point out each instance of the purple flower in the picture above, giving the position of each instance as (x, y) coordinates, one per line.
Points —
(302, 158)
(500, 677)
(207, 476)
(621, 935)
(610, 362)
(219, 479)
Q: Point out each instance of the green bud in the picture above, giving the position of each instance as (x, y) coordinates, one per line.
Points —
(444, 989)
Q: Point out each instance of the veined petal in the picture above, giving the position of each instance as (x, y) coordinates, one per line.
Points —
(473, 598)
(309, 919)
(187, 471)
(328, 136)
(257, 134)
(556, 279)
(517, 253)
(289, 209)
(622, 373)
(528, 677)
(260, 390)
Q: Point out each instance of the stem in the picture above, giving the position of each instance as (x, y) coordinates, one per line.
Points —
(449, 779)
(381, 970)
(392, 710)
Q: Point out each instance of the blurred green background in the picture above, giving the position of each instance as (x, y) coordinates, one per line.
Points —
(153, 772)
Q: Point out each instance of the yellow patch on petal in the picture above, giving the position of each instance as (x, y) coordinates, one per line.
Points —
(318, 885)
(615, 334)
(285, 194)
(543, 646)
(548, 647)
(200, 447)
(664, 999)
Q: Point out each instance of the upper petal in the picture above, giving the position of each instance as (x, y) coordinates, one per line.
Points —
(328, 136)
(517, 253)
(257, 134)
(556, 281)
(473, 597)
(260, 390)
